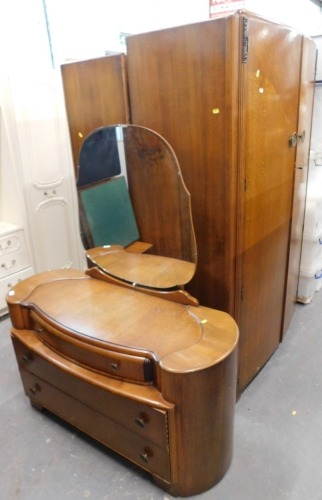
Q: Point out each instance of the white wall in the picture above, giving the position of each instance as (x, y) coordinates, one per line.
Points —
(303, 15)
(82, 29)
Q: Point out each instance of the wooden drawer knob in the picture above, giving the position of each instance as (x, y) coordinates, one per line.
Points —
(26, 358)
(34, 389)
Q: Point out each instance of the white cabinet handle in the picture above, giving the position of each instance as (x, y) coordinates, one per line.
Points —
(5, 266)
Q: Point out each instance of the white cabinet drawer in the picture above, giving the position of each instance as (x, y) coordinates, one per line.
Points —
(12, 242)
(8, 282)
(13, 263)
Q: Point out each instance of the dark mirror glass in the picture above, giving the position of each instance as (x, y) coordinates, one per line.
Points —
(134, 208)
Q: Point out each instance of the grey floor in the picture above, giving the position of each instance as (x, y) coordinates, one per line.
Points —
(278, 435)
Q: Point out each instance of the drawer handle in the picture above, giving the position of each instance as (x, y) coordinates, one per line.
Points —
(146, 455)
(26, 358)
(142, 420)
(34, 389)
(114, 366)
(4, 265)
(7, 246)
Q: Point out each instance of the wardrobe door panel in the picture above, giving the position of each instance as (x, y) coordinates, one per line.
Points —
(270, 92)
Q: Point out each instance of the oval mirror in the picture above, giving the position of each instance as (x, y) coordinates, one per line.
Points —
(134, 208)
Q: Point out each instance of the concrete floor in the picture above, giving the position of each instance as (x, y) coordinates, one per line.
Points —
(278, 435)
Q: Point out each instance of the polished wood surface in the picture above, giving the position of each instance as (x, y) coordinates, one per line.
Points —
(179, 296)
(142, 269)
(69, 328)
(228, 113)
(270, 94)
(86, 85)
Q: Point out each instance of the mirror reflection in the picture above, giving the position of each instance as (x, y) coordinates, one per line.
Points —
(134, 209)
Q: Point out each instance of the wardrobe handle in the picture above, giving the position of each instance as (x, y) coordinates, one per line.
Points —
(292, 140)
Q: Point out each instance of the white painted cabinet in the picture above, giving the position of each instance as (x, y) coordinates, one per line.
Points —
(14, 260)
(47, 173)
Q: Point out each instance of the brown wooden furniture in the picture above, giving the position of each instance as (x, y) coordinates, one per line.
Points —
(86, 104)
(152, 379)
(233, 96)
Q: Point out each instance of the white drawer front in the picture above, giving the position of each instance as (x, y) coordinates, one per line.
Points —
(7, 283)
(13, 263)
(12, 243)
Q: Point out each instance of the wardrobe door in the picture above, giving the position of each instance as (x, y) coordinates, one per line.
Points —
(95, 95)
(270, 92)
(308, 65)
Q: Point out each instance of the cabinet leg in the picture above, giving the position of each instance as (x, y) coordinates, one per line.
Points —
(36, 405)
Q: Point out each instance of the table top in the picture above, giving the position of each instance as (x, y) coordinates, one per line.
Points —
(179, 337)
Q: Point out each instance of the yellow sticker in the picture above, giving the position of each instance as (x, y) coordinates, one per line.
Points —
(204, 321)
(294, 412)
(80, 135)
(258, 73)
(215, 111)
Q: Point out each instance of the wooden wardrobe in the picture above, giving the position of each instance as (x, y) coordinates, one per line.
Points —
(227, 94)
(233, 96)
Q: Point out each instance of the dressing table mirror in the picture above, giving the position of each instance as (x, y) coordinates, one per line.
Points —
(134, 208)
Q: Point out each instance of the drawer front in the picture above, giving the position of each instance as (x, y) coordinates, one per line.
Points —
(12, 263)
(12, 242)
(147, 422)
(124, 366)
(10, 281)
(138, 449)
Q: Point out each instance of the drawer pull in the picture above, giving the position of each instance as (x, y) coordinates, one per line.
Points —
(26, 358)
(145, 457)
(34, 389)
(114, 366)
(5, 246)
(4, 265)
(142, 420)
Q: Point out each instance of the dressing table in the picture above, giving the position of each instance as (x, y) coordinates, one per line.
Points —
(121, 351)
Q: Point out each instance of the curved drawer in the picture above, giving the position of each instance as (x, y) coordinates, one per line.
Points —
(135, 368)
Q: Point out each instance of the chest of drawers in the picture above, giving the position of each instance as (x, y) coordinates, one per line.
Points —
(14, 261)
(153, 380)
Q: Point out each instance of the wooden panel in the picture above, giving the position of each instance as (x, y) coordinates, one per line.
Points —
(95, 96)
(202, 446)
(270, 95)
(184, 84)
